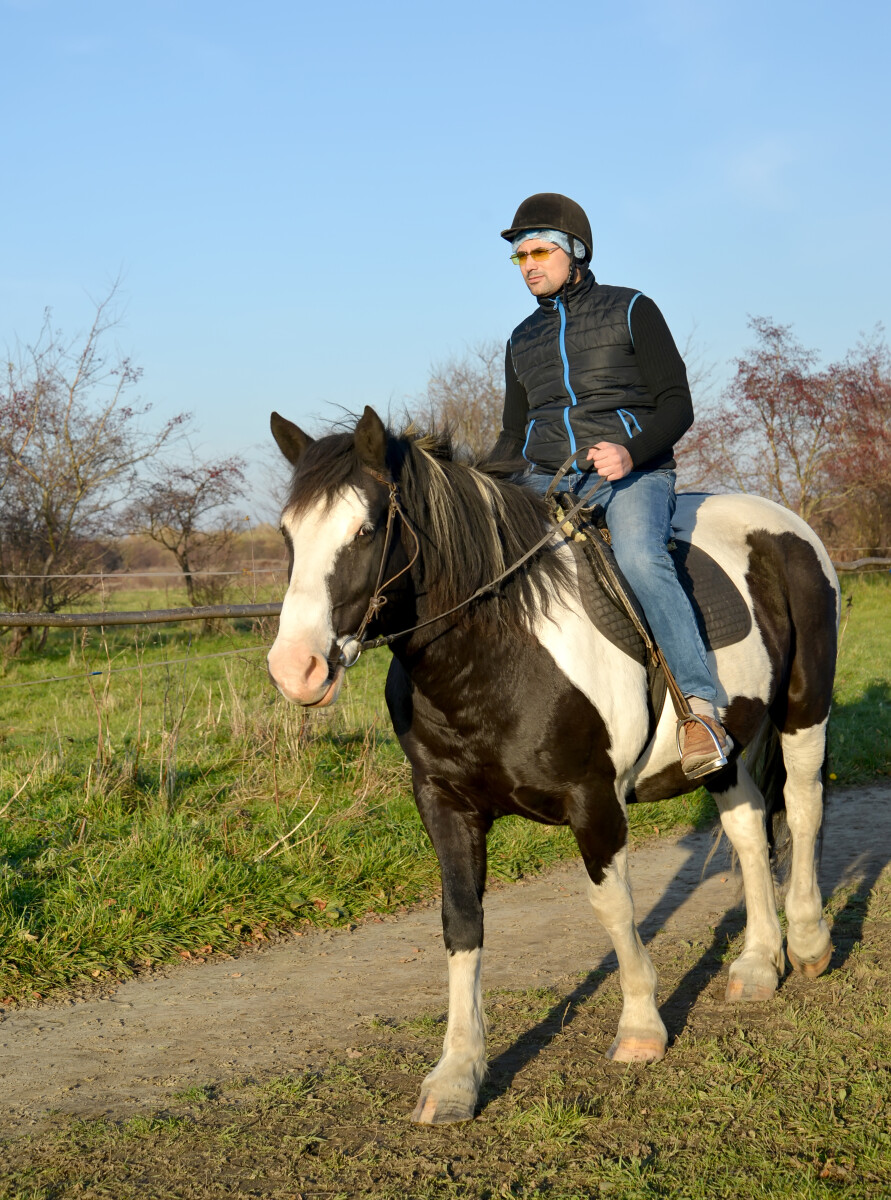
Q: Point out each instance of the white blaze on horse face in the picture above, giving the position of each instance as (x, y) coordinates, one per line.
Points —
(298, 661)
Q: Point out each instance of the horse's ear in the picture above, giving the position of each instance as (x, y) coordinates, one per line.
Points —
(292, 441)
(371, 440)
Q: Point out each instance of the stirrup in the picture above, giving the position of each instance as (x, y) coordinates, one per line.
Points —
(715, 764)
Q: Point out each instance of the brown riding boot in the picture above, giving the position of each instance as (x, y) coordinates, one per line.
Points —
(699, 754)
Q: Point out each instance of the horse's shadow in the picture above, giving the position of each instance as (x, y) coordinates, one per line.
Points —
(847, 929)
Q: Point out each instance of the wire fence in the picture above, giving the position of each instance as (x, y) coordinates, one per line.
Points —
(141, 666)
(145, 616)
(151, 573)
(212, 612)
(208, 612)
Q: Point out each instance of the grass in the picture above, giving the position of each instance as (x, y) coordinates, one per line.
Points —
(181, 811)
(860, 730)
(783, 1099)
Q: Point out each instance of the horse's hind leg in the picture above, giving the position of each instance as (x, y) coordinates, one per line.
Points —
(755, 974)
(807, 939)
(641, 1036)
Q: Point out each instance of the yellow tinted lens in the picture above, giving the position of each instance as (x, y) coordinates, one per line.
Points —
(539, 255)
(515, 259)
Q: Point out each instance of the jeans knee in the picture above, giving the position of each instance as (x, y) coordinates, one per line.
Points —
(642, 560)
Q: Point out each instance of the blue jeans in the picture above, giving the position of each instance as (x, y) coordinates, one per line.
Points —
(638, 511)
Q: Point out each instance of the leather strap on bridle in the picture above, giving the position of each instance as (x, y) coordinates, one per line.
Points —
(352, 646)
(378, 599)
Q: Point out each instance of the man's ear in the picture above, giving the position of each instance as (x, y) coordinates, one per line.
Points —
(292, 441)
(371, 440)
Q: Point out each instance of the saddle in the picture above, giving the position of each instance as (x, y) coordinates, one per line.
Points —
(721, 613)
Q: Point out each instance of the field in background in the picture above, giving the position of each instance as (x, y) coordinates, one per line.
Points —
(174, 805)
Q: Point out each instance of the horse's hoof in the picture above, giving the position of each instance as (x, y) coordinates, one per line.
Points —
(810, 970)
(430, 1111)
(633, 1049)
(743, 991)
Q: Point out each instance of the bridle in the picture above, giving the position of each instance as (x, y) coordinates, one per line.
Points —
(352, 645)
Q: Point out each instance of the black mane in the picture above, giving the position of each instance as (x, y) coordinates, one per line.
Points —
(473, 520)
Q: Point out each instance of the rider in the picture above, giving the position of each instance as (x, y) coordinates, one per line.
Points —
(594, 373)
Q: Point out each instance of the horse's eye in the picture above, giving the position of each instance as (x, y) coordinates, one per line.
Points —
(365, 532)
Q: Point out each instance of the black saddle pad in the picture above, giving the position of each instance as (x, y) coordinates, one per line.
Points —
(721, 613)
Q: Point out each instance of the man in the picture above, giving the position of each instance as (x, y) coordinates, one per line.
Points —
(594, 373)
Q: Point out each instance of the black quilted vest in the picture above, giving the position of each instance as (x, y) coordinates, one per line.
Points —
(580, 373)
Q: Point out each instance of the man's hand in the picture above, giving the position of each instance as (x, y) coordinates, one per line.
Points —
(611, 461)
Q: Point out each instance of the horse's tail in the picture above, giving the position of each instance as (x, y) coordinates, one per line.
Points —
(764, 762)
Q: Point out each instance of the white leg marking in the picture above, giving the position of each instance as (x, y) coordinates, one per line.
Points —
(755, 973)
(641, 1036)
(808, 935)
(449, 1092)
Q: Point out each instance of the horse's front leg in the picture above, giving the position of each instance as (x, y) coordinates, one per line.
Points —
(449, 1093)
(641, 1036)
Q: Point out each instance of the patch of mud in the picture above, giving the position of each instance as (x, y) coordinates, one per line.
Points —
(284, 1010)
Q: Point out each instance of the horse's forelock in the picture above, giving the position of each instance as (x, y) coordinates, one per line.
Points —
(327, 465)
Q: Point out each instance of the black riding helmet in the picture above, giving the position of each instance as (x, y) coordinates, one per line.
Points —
(550, 210)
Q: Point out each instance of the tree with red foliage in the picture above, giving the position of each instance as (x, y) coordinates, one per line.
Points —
(860, 466)
(817, 440)
(773, 429)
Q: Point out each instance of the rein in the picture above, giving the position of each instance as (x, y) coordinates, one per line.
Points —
(353, 644)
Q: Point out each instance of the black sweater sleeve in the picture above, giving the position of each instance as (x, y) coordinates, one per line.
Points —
(516, 408)
(665, 377)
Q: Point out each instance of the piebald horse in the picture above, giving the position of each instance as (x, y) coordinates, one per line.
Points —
(518, 703)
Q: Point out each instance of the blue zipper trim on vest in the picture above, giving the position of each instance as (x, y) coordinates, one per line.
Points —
(622, 413)
(636, 296)
(528, 436)
(572, 396)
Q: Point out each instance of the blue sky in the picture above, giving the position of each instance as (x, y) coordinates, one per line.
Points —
(303, 201)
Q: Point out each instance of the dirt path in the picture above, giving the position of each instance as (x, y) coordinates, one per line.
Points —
(275, 1012)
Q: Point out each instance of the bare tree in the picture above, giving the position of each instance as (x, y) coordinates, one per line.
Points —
(70, 449)
(173, 508)
(466, 396)
(701, 371)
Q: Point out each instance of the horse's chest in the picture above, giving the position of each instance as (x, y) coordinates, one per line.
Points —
(527, 748)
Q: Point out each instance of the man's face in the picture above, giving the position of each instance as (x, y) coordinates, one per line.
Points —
(544, 278)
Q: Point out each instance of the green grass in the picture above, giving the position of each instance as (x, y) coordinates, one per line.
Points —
(784, 1099)
(860, 731)
(183, 810)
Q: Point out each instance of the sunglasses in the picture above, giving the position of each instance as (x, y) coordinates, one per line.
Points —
(539, 255)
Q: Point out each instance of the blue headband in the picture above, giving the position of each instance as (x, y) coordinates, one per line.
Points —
(550, 235)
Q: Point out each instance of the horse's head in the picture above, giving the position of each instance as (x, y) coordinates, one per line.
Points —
(334, 525)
